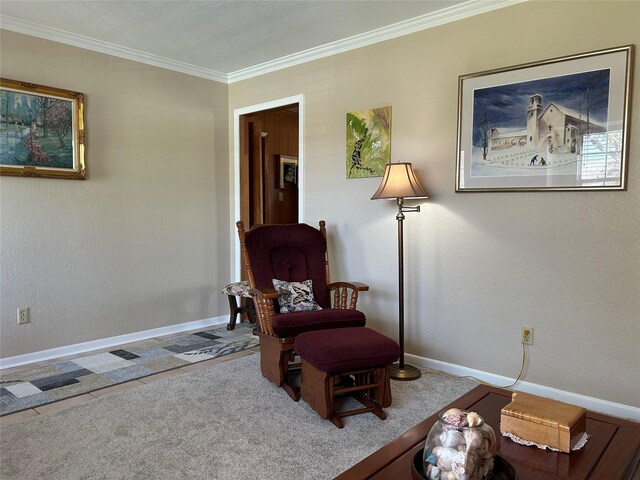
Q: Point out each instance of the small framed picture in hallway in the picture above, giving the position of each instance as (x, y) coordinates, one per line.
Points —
(559, 124)
(288, 172)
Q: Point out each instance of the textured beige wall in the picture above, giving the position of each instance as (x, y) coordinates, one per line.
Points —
(478, 266)
(139, 244)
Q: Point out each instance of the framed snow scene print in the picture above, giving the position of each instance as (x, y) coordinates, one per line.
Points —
(41, 131)
(560, 124)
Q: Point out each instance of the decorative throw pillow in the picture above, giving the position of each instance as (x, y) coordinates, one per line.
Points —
(295, 296)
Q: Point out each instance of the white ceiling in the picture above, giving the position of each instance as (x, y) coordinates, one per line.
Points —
(228, 40)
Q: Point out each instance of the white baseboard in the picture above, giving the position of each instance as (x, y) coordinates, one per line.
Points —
(595, 404)
(590, 403)
(84, 347)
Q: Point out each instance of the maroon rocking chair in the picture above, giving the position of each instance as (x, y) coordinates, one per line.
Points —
(293, 253)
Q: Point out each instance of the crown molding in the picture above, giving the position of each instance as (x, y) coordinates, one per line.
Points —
(28, 28)
(406, 27)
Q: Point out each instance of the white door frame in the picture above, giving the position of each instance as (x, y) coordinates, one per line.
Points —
(235, 170)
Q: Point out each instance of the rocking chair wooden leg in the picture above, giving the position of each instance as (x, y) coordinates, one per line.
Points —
(272, 361)
(275, 356)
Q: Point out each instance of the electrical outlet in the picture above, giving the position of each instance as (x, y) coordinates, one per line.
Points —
(23, 315)
(526, 336)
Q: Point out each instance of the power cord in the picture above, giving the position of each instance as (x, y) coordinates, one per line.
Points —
(524, 356)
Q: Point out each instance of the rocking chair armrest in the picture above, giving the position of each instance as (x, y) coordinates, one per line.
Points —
(358, 286)
(346, 291)
(263, 292)
(263, 302)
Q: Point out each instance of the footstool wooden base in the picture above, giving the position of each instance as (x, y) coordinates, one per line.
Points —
(346, 361)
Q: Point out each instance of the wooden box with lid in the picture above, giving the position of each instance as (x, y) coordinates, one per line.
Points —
(542, 421)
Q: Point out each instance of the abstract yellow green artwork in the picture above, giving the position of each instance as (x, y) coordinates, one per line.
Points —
(368, 142)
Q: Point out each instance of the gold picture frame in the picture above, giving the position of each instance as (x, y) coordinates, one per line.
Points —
(42, 131)
(553, 125)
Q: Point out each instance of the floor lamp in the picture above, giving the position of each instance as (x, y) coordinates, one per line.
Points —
(400, 182)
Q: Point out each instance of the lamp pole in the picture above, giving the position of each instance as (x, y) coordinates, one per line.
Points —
(400, 371)
(399, 182)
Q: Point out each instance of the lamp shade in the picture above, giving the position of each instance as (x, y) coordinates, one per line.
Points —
(399, 181)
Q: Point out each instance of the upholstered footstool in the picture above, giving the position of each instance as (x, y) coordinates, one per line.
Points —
(239, 289)
(352, 361)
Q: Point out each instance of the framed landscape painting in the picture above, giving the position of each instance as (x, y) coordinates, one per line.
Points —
(41, 131)
(560, 124)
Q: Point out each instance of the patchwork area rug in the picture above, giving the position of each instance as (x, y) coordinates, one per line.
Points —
(48, 383)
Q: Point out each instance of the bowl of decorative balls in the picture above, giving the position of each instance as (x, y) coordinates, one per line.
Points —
(460, 446)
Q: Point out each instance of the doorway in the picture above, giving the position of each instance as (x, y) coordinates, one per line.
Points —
(259, 195)
(269, 166)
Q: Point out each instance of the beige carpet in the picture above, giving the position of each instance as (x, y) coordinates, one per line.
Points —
(225, 422)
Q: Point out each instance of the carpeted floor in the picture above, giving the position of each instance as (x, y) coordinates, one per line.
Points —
(225, 422)
(48, 383)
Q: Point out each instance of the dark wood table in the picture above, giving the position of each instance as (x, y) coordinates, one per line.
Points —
(612, 452)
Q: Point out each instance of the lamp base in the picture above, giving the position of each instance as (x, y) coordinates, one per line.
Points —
(406, 372)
